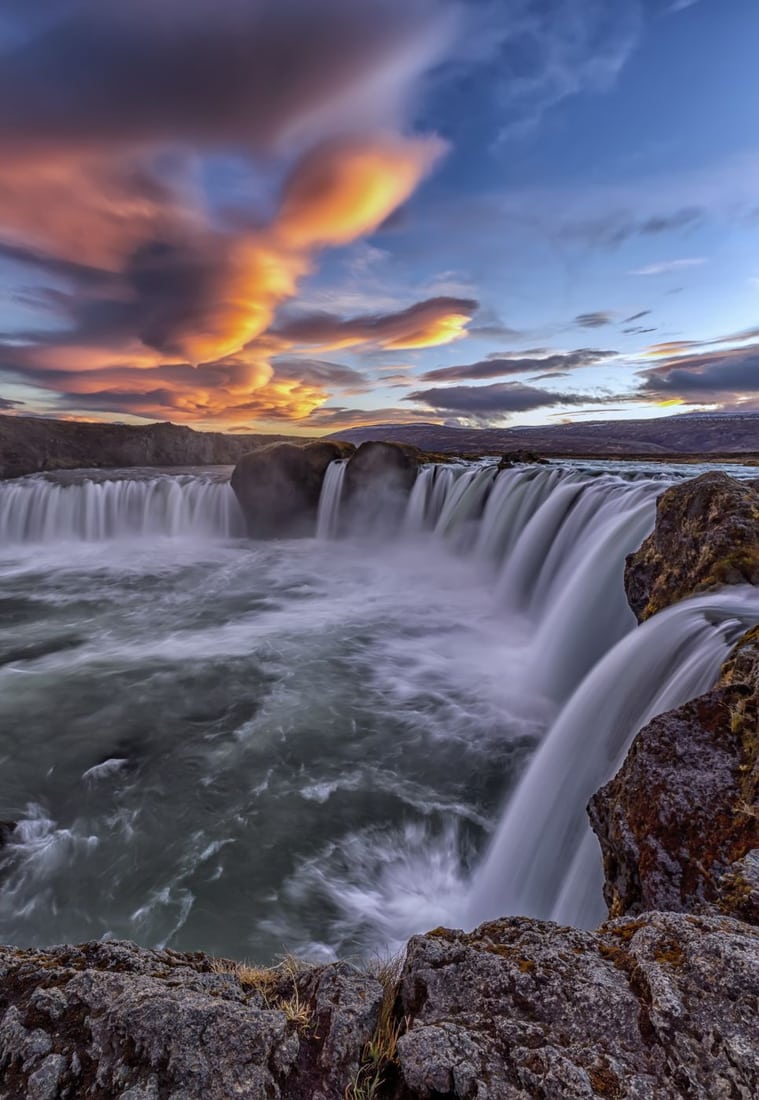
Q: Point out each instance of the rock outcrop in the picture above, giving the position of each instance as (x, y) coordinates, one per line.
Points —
(706, 535)
(662, 1006)
(679, 823)
(278, 486)
(378, 480)
(521, 458)
(29, 445)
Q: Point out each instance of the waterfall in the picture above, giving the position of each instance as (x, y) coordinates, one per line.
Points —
(544, 860)
(37, 509)
(328, 517)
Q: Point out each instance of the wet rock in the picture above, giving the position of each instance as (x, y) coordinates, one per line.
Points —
(679, 823)
(520, 458)
(278, 486)
(7, 828)
(658, 1007)
(378, 480)
(706, 535)
(109, 1020)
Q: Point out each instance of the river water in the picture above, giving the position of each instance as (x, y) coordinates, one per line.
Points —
(312, 745)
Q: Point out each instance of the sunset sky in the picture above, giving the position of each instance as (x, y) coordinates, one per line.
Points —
(301, 215)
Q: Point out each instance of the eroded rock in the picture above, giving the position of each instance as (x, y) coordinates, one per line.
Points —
(658, 1007)
(378, 480)
(278, 486)
(706, 535)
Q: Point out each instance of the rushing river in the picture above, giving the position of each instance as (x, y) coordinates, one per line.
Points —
(252, 747)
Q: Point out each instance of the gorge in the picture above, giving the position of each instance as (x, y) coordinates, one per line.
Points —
(343, 739)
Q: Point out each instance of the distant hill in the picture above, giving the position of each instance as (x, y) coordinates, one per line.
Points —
(31, 444)
(684, 434)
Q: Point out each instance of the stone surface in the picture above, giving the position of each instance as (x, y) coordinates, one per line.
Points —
(678, 822)
(378, 480)
(29, 445)
(109, 1020)
(660, 1007)
(278, 486)
(521, 458)
(706, 535)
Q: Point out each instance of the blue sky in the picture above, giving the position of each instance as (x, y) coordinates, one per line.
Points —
(299, 216)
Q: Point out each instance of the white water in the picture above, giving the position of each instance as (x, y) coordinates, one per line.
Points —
(321, 732)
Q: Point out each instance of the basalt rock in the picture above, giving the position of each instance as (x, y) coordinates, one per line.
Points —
(679, 823)
(110, 1021)
(278, 486)
(706, 535)
(661, 1006)
(378, 480)
(521, 458)
(664, 1006)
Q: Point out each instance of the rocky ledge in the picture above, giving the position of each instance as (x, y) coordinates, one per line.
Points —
(661, 1002)
(661, 1006)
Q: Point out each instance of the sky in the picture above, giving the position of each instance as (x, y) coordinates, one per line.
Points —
(299, 216)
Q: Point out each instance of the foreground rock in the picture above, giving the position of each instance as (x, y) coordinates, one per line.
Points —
(109, 1020)
(29, 445)
(658, 1007)
(679, 823)
(706, 535)
(278, 486)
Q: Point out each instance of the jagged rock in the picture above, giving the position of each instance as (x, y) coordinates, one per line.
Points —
(706, 535)
(520, 458)
(378, 480)
(7, 829)
(278, 486)
(664, 1006)
(29, 445)
(681, 816)
(110, 1020)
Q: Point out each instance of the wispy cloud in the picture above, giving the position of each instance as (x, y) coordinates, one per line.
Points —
(667, 266)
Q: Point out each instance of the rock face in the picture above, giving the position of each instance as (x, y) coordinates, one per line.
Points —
(706, 534)
(641, 1009)
(29, 445)
(108, 1020)
(378, 480)
(278, 486)
(521, 458)
(663, 1006)
(679, 823)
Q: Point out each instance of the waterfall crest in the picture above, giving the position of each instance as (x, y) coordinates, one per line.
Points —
(328, 516)
(37, 509)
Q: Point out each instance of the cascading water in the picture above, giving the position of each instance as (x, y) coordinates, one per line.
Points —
(327, 520)
(91, 509)
(343, 716)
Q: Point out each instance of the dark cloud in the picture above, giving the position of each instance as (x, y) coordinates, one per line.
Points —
(420, 325)
(321, 373)
(498, 399)
(594, 320)
(337, 417)
(501, 366)
(636, 316)
(723, 378)
(7, 403)
(251, 72)
(637, 330)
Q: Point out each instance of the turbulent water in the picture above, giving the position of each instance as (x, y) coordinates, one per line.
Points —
(250, 747)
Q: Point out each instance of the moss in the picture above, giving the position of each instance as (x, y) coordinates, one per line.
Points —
(604, 1081)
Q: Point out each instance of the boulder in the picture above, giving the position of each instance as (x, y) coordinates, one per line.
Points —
(378, 480)
(663, 1006)
(679, 823)
(521, 458)
(706, 535)
(278, 486)
(111, 1020)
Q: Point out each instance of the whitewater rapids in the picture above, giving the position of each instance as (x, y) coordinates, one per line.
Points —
(317, 745)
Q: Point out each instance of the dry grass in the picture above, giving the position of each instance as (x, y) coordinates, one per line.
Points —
(380, 1053)
(267, 980)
